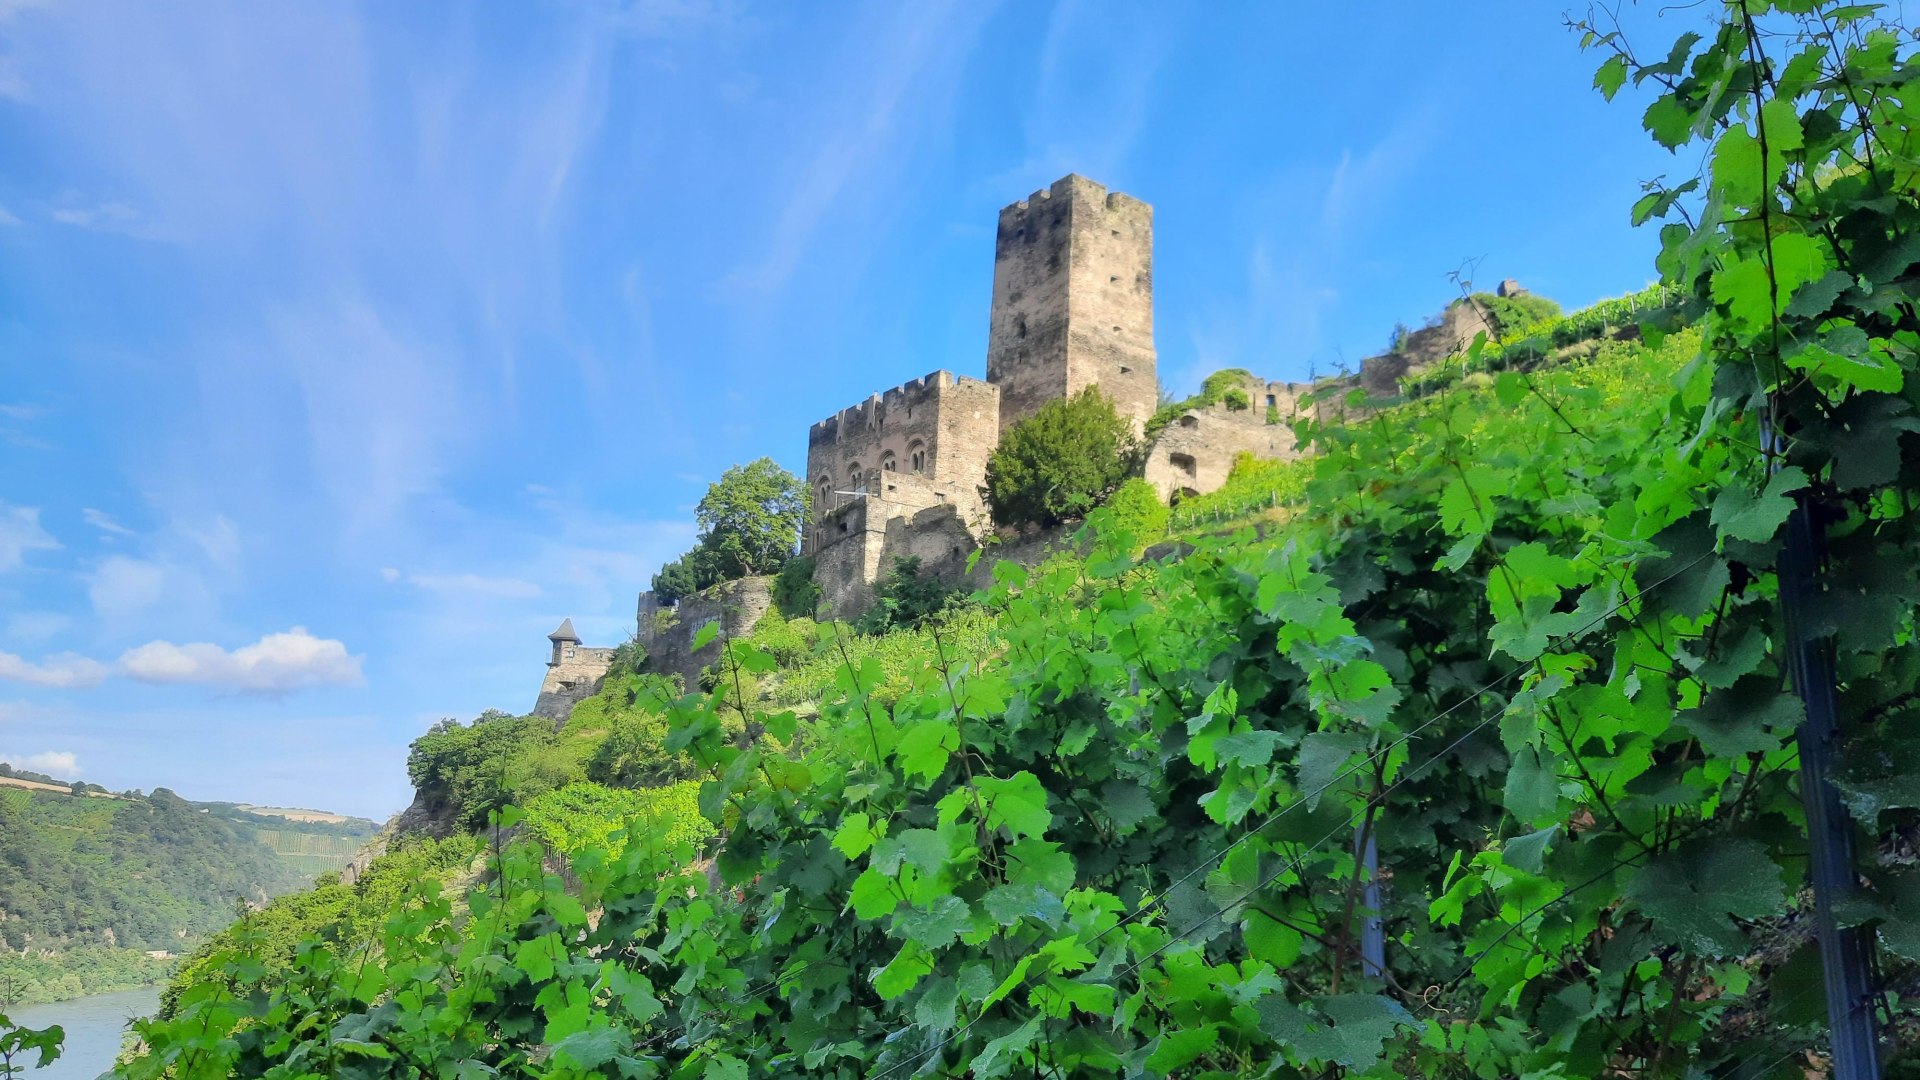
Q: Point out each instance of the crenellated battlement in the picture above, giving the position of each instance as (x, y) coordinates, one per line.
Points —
(873, 413)
(1091, 192)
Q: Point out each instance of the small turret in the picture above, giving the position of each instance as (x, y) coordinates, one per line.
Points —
(562, 639)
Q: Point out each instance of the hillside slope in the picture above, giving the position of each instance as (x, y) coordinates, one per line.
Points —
(91, 884)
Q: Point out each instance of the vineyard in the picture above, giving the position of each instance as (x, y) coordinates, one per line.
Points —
(1498, 753)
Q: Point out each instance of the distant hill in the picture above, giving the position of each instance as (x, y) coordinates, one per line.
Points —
(100, 890)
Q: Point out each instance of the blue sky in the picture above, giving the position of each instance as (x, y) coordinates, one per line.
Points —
(344, 348)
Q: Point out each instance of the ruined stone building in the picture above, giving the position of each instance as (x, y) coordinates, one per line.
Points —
(573, 673)
(901, 473)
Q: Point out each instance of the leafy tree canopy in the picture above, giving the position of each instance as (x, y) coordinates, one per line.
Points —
(750, 522)
(1061, 462)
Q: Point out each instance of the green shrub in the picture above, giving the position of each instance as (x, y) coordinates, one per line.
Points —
(906, 599)
(626, 732)
(1517, 315)
(580, 816)
(788, 641)
(1061, 462)
(1227, 384)
(1137, 511)
(795, 593)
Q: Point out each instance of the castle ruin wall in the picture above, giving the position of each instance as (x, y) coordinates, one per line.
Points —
(667, 633)
(1195, 454)
(1449, 335)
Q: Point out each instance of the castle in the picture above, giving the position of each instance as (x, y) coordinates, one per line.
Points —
(901, 474)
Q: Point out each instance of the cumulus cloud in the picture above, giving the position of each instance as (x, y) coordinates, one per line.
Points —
(65, 671)
(276, 664)
(62, 763)
(20, 532)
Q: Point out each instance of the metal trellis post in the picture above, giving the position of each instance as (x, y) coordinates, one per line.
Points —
(1373, 935)
(1846, 958)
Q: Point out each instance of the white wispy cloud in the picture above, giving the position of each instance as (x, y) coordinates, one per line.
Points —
(7, 217)
(104, 521)
(276, 664)
(1092, 92)
(61, 763)
(178, 576)
(122, 587)
(908, 90)
(112, 217)
(20, 533)
(1312, 227)
(63, 671)
(471, 584)
(37, 625)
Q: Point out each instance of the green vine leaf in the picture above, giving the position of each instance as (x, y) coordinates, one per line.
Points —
(1742, 514)
(1692, 895)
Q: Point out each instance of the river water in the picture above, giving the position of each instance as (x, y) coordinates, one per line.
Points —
(94, 1026)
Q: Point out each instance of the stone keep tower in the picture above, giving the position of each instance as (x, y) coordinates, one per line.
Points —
(1073, 301)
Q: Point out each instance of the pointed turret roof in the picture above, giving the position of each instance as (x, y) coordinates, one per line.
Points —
(565, 633)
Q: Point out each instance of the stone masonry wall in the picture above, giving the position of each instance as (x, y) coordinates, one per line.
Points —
(1451, 333)
(573, 679)
(667, 633)
(850, 567)
(924, 443)
(1073, 301)
(1194, 454)
(846, 564)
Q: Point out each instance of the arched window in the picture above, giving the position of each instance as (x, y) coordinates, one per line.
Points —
(916, 457)
(856, 480)
(823, 490)
(887, 463)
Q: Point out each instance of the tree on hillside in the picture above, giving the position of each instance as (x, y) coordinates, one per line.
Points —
(1061, 462)
(750, 522)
